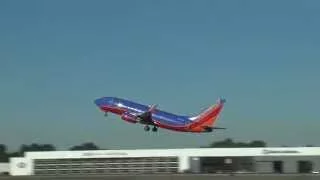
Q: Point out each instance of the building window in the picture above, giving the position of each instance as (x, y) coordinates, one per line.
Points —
(304, 166)
(278, 166)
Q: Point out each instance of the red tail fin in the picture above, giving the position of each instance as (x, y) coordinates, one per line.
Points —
(209, 116)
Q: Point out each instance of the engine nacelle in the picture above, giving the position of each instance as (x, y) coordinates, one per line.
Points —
(129, 117)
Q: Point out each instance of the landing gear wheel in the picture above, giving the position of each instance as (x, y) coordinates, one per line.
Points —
(146, 128)
(106, 114)
(154, 129)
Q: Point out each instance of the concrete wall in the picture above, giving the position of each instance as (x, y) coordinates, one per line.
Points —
(20, 167)
(195, 165)
(184, 163)
(4, 167)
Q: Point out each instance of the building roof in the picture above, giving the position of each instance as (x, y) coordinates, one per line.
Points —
(191, 152)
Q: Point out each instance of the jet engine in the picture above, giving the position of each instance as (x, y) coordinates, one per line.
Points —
(129, 117)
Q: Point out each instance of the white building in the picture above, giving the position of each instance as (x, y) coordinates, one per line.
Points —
(257, 160)
(4, 168)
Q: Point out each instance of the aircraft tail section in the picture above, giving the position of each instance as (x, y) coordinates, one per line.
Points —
(209, 116)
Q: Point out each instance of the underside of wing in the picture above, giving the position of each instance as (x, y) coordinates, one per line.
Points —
(146, 117)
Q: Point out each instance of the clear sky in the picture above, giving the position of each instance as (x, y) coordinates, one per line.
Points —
(56, 57)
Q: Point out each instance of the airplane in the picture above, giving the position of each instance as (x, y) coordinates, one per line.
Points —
(150, 115)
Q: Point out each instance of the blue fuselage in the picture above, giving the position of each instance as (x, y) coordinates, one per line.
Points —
(119, 105)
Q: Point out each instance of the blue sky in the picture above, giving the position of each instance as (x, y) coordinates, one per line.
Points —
(56, 57)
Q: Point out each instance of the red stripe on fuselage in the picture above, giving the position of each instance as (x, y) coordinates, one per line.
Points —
(114, 110)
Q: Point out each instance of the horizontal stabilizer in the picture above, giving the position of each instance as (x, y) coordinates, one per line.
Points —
(218, 128)
(210, 129)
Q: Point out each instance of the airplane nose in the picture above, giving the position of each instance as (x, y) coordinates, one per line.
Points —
(98, 102)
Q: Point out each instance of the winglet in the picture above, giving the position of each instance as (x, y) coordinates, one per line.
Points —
(221, 100)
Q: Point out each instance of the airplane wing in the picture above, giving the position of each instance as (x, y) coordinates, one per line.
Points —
(146, 117)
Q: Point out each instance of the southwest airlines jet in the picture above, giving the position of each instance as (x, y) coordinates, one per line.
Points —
(151, 116)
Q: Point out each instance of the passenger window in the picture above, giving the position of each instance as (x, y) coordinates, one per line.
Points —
(111, 101)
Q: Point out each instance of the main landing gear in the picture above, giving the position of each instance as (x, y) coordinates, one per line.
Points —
(154, 129)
